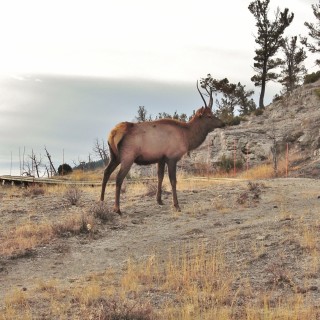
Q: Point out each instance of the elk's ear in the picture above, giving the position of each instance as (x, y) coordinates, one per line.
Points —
(199, 112)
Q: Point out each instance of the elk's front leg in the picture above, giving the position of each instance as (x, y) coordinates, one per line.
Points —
(172, 168)
(161, 165)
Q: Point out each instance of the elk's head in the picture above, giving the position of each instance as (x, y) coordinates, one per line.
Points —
(206, 113)
(209, 119)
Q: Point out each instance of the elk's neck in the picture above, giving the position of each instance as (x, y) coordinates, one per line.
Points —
(197, 133)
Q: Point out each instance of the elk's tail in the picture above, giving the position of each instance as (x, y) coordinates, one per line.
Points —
(117, 134)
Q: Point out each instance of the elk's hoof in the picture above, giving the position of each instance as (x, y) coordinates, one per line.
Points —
(117, 210)
(160, 202)
(177, 208)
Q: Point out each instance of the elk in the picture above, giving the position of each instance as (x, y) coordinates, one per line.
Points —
(162, 141)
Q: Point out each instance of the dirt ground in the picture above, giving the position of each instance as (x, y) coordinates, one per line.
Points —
(269, 231)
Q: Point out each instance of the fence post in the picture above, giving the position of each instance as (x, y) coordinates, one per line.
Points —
(234, 156)
(287, 159)
(247, 157)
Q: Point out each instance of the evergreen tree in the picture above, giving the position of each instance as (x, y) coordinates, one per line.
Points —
(314, 32)
(142, 114)
(232, 97)
(180, 117)
(269, 39)
(293, 69)
(245, 103)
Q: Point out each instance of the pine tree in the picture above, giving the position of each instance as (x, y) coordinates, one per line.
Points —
(142, 114)
(269, 39)
(314, 32)
(293, 69)
(232, 97)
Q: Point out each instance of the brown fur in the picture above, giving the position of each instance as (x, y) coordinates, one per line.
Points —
(117, 133)
(162, 141)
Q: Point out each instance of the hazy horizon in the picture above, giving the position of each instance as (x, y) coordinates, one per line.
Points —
(67, 114)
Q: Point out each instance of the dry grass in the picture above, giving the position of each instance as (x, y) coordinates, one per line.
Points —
(20, 240)
(193, 282)
(190, 281)
(80, 175)
(266, 170)
(73, 195)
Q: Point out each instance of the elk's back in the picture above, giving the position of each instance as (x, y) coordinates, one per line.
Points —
(147, 142)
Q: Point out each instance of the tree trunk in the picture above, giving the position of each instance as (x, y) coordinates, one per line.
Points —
(263, 85)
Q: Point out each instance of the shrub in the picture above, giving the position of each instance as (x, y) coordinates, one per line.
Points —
(258, 112)
(64, 169)
(100, 211)
(73, 195)
(73, 225)
(277, 98)
(151, 188)
(116, 309)
(317, 92)
(252, 194)
(312, 77)
(226, 164)
(34, 190)
(234, 121)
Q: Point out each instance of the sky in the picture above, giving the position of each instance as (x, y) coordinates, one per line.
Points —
(100, 60)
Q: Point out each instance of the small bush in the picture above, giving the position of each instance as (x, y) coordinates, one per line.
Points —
(73, 225)
(317, 92)
(116, 309)
(64, 169)
(101, 212)
(252, 194)
(258, 112)
(34, 191)
(226, 164)
(73, 195)
(255, 189)
(277, 98)
(312, 77)
(235, 121)
(151, 188)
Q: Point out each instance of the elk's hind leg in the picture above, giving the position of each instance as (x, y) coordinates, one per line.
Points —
(161, 165)
(172, 168)
(124, 169)
(107, 173)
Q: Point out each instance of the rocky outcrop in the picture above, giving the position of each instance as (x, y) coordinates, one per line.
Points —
(293, 120)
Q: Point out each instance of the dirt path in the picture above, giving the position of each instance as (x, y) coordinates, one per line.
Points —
(263, 229)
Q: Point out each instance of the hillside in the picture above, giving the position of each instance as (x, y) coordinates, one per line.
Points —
(294, 120)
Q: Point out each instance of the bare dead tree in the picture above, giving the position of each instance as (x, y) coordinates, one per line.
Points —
(101, 150)
(27, 169)
(52, 168)
(36, 163)
(48, 171)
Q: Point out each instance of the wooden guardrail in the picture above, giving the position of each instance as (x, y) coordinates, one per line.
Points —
(22, 180)
(13, 180)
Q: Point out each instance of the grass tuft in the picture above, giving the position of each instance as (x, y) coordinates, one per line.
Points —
(34, 191)
(102, 212)
(73, 195)
(74, 224)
